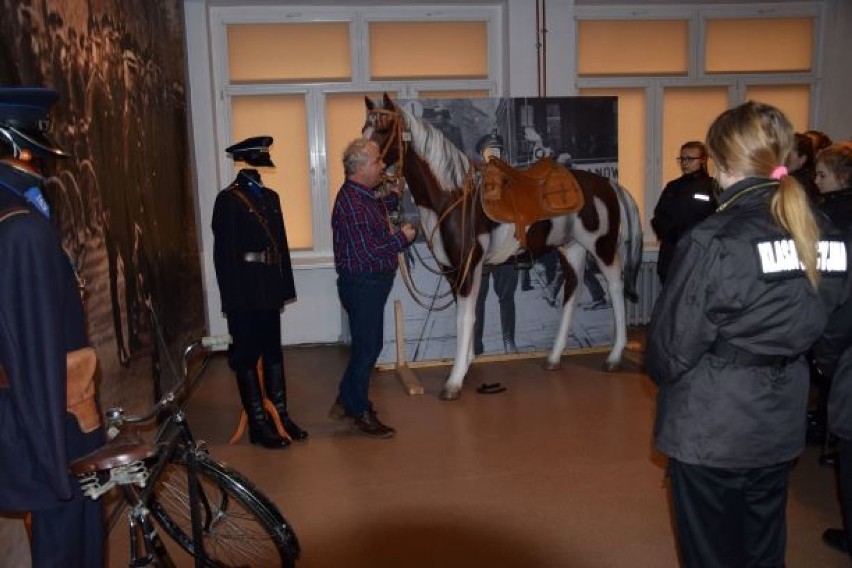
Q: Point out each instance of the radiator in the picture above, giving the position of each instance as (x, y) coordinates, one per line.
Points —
(648, 288)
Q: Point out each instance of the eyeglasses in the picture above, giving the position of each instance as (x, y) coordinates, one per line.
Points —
(687, 159)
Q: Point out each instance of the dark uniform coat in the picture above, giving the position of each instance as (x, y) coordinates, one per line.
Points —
(238, 230)
(684, 203)
(833, 352)
(41, 320)
(838, 206)
(737, 293)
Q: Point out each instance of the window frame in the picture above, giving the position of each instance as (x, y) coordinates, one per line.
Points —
(359, 19)
(737, 83)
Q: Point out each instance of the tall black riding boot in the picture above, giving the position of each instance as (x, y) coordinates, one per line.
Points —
(261, 432)
(276, 392)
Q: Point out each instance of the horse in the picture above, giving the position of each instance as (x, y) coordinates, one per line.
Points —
(445, 188)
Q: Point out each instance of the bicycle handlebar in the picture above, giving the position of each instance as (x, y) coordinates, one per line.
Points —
(115, 416)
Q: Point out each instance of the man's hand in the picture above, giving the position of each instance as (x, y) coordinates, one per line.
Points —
(395, 185)
(409, 231)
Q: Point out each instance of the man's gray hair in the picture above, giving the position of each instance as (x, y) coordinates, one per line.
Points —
(355, 155)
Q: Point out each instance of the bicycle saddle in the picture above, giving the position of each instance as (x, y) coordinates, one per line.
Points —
(126, 448)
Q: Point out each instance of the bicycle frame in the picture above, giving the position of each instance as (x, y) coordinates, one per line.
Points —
(140, 469)
(174, 433)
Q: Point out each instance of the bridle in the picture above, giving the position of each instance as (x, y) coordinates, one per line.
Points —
(391, 120)
(379, 119)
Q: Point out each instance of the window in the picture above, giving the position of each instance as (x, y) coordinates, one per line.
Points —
(682, 65)
(301, 76)
(418, 50)
(612, 47)
(759, 46)
(282, 117)
(687, 114)
(631, 137)
(277, 52)
(793, 100)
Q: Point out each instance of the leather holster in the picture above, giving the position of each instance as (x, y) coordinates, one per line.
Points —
(82, 371)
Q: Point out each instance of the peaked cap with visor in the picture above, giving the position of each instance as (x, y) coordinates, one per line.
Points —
(25, 121)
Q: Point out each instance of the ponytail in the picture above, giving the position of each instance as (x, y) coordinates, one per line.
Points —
(753, 139)
(791, 209)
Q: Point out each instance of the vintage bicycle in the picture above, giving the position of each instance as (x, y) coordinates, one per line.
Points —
(209, 509)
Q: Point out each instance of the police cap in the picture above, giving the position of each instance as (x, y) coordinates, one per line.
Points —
(253, 151)
(25, 120)
(490, 140)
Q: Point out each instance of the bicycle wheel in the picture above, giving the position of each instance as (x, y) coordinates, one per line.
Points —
(241, 527)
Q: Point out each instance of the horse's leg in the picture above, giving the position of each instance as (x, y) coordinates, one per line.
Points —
(615, 287)
(465, 318)
(575, 255)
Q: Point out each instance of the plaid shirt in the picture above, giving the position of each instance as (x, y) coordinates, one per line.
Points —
(362, 241)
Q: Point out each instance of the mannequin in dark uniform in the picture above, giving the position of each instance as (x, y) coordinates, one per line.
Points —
(41, 322)
(684, 203)
(255, 278)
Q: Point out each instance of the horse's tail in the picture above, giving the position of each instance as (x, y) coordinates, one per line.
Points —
(631, 240)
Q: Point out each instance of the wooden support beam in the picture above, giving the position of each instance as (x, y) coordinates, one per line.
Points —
(403, 372)
(494, 357)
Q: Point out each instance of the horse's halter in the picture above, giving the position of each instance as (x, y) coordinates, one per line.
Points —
(390, 120)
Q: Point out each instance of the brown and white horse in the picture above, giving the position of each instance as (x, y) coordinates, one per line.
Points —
(462, 238)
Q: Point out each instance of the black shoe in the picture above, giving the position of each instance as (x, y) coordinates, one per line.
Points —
(836, 539)
(266, 437)
(368, 424)
(293, 430)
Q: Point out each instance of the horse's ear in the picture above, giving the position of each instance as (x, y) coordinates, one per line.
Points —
(369, 103)
(386, 101)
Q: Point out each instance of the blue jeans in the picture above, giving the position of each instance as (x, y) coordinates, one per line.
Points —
(363, 296)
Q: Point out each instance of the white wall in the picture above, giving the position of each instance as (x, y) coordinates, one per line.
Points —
(834, 116)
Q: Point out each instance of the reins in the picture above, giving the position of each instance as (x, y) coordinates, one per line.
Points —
(399, 137)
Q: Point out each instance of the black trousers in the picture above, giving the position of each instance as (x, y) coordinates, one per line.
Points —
(254, 334)
(730, 517)
(844, 475)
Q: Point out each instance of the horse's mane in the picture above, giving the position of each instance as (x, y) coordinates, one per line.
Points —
(448, 163)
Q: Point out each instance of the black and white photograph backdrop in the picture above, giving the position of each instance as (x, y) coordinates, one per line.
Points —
(520, 308)
(123, 200)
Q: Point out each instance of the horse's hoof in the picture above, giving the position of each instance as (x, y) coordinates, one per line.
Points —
(548, 366)
(449, 394)
(612, 367)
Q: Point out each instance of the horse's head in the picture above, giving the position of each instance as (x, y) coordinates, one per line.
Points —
(402, 135)
(384, 125)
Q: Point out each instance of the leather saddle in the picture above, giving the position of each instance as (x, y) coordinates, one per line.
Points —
(544, 190)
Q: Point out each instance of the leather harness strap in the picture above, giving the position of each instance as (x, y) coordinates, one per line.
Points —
(266, 257)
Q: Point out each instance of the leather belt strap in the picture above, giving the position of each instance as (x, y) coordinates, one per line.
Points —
(264, 256)
(734, 354)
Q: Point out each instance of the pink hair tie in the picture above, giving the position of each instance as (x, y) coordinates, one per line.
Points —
(779, 172)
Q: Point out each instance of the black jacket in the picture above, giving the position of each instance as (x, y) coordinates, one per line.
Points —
(238, 230)
(833, 352)
(684, 203)
(734, 285)
(838, 206)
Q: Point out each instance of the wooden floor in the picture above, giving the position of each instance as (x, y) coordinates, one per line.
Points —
(558, 471)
